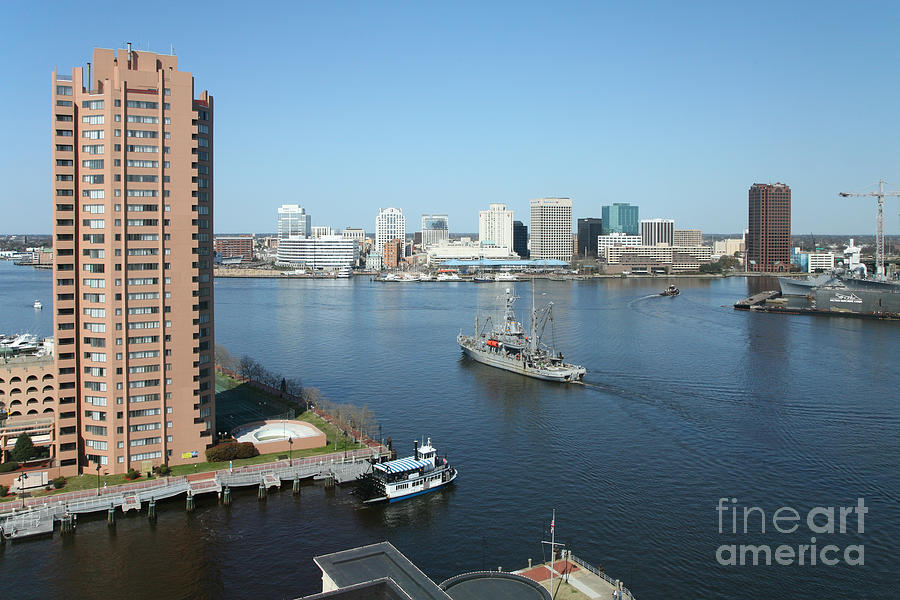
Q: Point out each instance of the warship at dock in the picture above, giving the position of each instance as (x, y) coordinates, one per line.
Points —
(508, 346)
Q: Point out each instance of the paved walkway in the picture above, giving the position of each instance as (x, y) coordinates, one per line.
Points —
(588, 582)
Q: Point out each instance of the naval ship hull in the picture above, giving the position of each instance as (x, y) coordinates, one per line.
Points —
(560, 374)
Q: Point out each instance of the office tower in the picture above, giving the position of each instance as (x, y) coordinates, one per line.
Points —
(133, 212)
(324, 252)
(769, 236)
(620, 217)
(232, 246)
(657, 231)
(685, 238)
(551, 228)
(520, 239)
(589, 230)
(390, 224)
(434, 229)
(293, 221)
(495, 226)
(393, 253)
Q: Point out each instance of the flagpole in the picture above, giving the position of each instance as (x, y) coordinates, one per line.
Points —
(552, 545)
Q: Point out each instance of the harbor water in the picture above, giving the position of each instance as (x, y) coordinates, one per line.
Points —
(685, 401)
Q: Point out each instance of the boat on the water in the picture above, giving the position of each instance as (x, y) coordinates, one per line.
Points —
(414, 475)
(37, 305)
(505, 276)
(449, 277)
(507, 346)
(670, 291)
(483, 278)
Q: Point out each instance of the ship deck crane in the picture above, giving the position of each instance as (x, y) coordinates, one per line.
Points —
(879, 229)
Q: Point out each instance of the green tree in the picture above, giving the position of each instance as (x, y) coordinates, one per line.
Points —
(24, 448)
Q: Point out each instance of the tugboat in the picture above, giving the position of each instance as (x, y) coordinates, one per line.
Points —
(414, 475)
(670, 291)
(507, 346)
(37, 305)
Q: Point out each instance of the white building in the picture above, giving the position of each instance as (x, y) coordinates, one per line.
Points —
(390, 224)
(821, 261)
(318, 231)
(466, 249)
(293, 221)
(326, 253)
(495, 226)
(551, 228)
(434, 229)
(374, 261)
(616, 238)
(354, 233)
(657, 231)
(728, 246)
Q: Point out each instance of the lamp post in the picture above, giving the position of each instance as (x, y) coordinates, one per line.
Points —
(291, 451)
(98, 478)
(21, 478)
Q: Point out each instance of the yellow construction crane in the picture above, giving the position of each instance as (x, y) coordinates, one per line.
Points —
(879, 229)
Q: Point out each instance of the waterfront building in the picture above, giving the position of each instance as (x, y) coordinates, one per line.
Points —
(620, 217)
(495, 226)
(728, 246)
(551, 228)
(769, 235)
(293, 221)
(588, 231)
(393, 253)
(434, 229)
(520, 239)
(133, 295)
(374, 261)
(466, 249)
(326, 253)
(390, 224)
(235, 246)
(657, 231)
(687, 237)
(318, 231)
(812, 262)
(616, 239)
(656, 259)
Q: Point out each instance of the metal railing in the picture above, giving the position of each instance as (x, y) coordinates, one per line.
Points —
(589, 567)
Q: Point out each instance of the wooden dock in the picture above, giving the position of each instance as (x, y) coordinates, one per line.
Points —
(40, 514)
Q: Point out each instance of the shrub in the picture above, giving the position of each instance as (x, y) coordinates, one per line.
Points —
(9, 466)
(162, 469)
(131, 475)
(230, 450)
(3, 491)
(59, 482)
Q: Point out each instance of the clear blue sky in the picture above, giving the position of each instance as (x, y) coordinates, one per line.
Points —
(344, 107)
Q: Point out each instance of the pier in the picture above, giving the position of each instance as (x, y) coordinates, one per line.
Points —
(40, 514)
(812, 304)
(579, 579)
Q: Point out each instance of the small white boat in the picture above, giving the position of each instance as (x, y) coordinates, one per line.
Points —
(37, 305)
(449, 277)
(414, 475)
(505, 276)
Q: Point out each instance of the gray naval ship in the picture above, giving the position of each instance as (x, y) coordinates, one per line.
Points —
(508, 346)
(848, 289)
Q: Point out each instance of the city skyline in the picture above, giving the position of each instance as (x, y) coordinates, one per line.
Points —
(425, 124)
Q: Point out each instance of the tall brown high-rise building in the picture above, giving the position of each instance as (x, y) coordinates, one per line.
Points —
(769, 232)
(132, 224)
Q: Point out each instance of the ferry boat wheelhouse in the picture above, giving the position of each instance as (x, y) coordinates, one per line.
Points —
(420, 473)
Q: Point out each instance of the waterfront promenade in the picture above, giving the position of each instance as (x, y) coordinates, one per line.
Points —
(575, 579)
(38, 515)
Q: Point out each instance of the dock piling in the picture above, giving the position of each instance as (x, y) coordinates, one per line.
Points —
(111, 515)
(189, 503)
(151, 509)
(296, 488)
(262, 491)
(226, 496)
